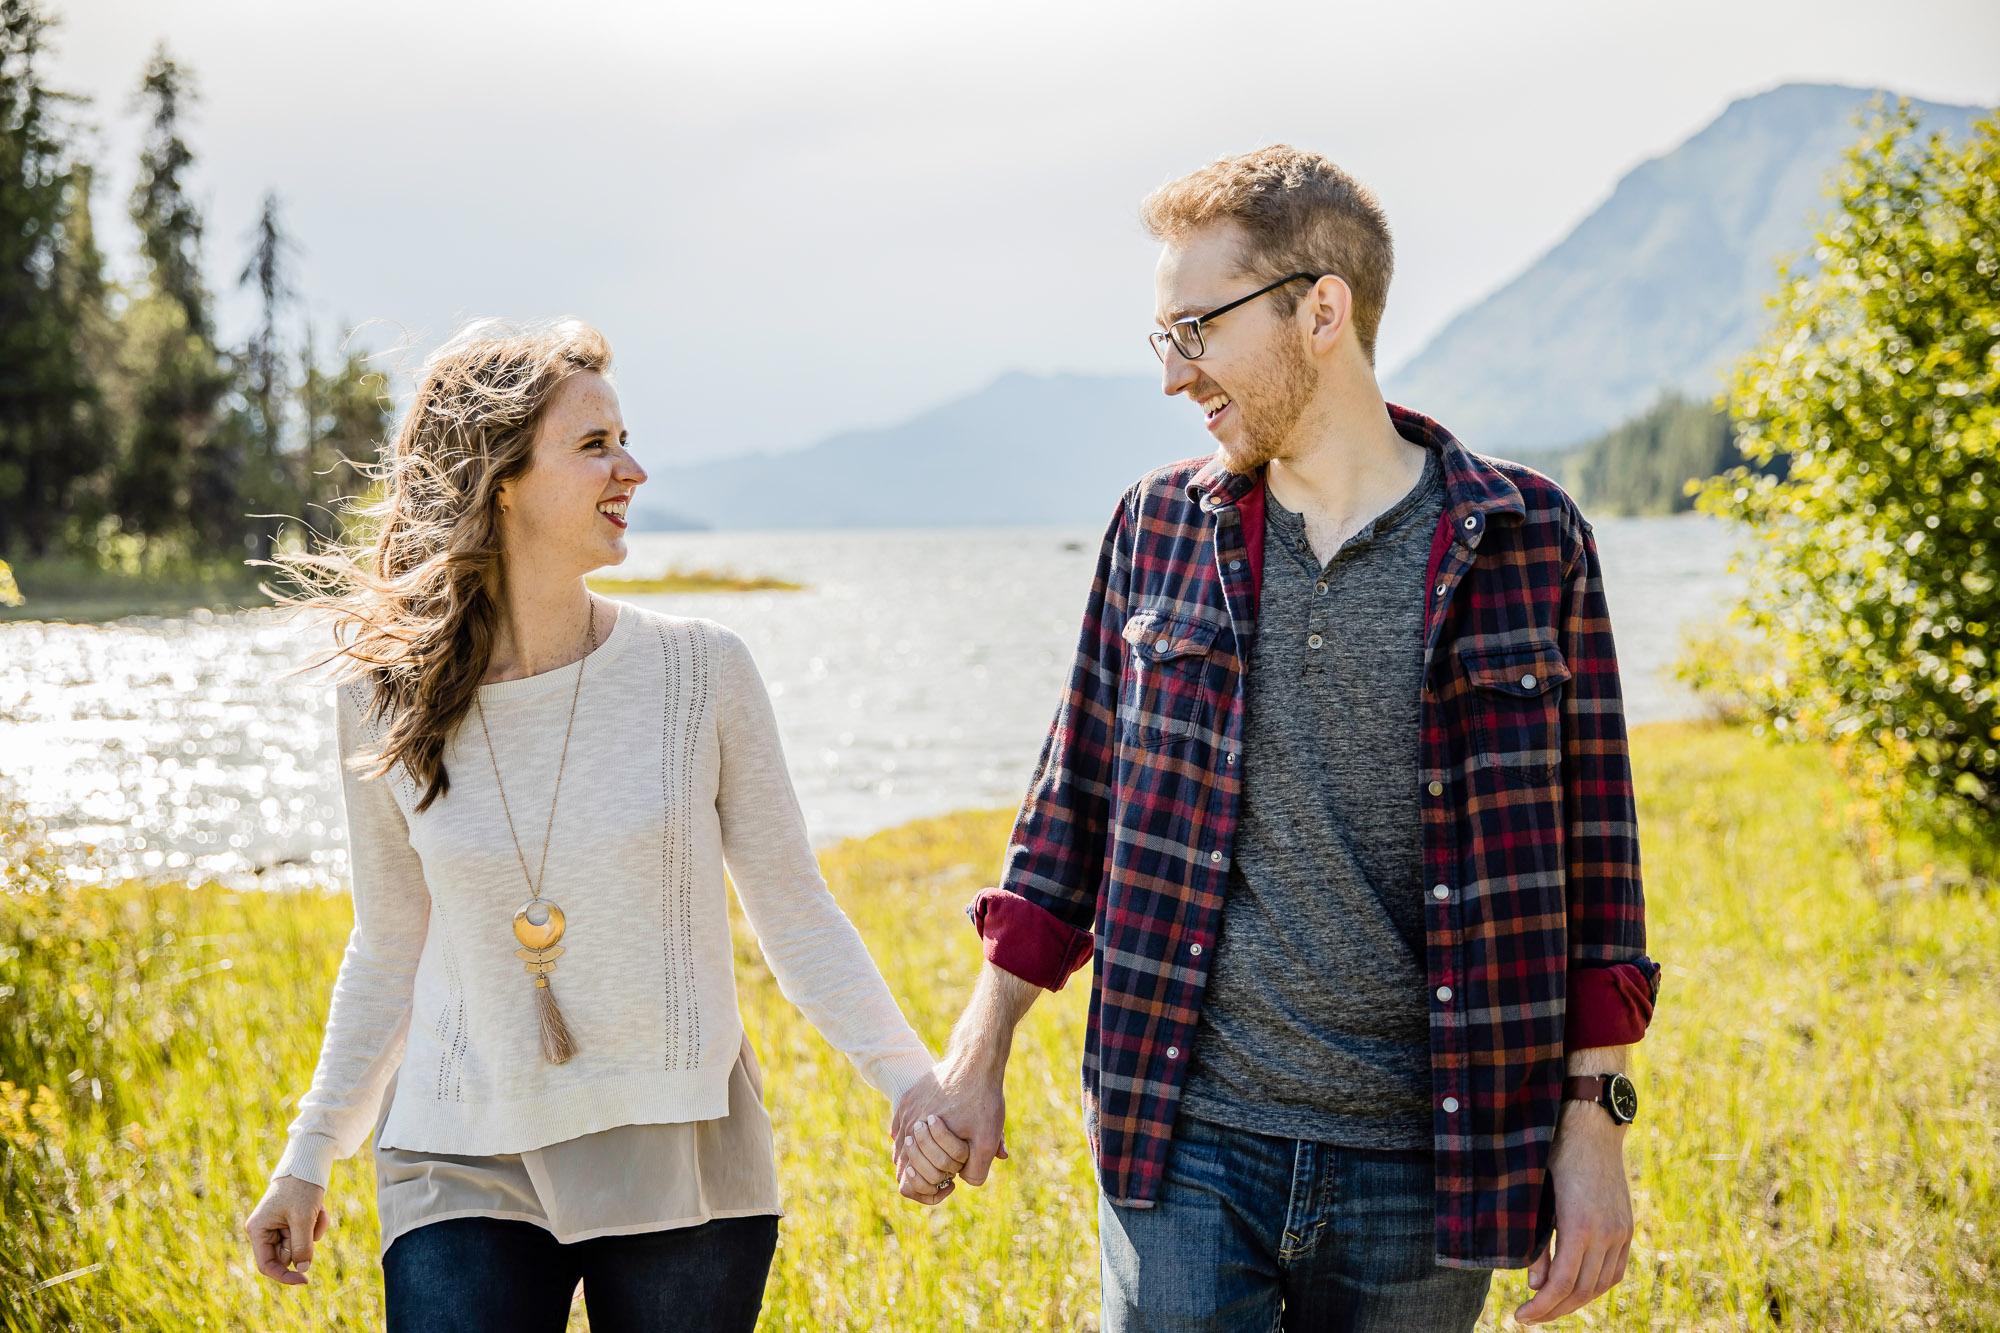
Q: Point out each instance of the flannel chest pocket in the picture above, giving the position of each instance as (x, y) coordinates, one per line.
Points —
(1165, 695)
(1516, 704)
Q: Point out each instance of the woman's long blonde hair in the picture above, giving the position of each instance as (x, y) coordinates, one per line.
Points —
(414, 609)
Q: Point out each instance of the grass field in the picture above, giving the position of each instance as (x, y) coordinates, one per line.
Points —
(1817, 1148)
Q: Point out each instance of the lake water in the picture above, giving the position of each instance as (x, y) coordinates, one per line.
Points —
(916, 675)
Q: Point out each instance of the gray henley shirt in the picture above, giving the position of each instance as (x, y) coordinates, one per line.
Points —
(1315, 1024)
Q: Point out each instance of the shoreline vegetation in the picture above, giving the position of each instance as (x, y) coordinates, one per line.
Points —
(1815, 1149)
(75, 592)
(691, 580)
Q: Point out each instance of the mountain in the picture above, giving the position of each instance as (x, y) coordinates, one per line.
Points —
(1660, 288)
(1657, 290)
(1026, 449)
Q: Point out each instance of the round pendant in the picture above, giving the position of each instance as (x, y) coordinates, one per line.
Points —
(539, 924)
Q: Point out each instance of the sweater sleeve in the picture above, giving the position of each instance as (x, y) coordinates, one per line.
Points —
(815, 953)
(369, 1017)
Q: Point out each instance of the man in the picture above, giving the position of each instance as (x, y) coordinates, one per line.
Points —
(1339, 803)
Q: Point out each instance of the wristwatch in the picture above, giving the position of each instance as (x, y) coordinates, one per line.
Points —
(1613, 1092)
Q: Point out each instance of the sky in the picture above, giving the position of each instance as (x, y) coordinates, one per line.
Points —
(793, 217)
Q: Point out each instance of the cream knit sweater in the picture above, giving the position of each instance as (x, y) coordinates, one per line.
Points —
(674, 770)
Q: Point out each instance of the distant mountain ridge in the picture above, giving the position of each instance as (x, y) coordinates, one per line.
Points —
(1660, 288)
(1026, 449)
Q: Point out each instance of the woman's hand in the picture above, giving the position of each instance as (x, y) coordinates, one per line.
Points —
(931, 1155)
(283, 1228)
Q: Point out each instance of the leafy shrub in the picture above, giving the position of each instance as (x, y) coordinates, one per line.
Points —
(1874, 573)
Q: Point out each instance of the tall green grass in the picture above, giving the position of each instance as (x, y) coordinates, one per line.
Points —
(1817, 1146)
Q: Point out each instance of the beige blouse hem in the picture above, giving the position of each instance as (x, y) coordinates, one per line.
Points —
(622, 1181)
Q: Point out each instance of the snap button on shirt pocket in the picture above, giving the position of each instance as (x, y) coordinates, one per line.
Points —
(1528, 681)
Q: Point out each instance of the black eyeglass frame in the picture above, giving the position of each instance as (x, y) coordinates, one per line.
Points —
(1192, 323)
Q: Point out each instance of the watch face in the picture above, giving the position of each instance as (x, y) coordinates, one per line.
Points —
(1624, 1099)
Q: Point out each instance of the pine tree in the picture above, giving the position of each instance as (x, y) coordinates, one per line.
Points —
(179, 475)
(170, 226)
(49, 271)
(271, 487)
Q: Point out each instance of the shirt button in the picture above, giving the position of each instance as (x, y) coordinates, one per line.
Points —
(1440, 590)
(1322, 587)
(1195, 949)
(1313, 642)
(1528, 681)
(1232, 757)
(1236, 564)
(1470, 522)
(1440, 891)
(1215, 856)
(1450, 1104)
(1173, 1052)
(1164, 644)
(1444, 992)
(1437, 789)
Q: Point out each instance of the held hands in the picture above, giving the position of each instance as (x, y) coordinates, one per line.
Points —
(950, 1123)
(283, 1228)
(1593, 1236)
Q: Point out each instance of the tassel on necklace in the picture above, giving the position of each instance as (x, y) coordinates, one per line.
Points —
(557, 1045)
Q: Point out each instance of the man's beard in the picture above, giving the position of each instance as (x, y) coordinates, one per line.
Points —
(1271, 409)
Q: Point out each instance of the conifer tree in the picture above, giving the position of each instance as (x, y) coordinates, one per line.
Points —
(272, 486)
(179, 476)
(49, 270)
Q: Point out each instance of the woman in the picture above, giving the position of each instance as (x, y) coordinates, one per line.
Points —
(536, 1012)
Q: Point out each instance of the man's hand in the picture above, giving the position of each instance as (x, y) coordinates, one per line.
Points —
(964, 1098)
(960, 1102)
(1593, 1235)
(284, 1227)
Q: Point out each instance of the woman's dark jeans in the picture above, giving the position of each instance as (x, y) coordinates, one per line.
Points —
(486, 1275)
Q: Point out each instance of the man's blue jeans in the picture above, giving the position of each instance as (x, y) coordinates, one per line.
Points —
(1258, 1233)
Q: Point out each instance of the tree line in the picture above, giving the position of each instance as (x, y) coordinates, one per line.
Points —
(133, 437)
(1655, 462)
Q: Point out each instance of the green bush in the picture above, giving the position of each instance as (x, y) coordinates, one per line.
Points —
(1872, 573)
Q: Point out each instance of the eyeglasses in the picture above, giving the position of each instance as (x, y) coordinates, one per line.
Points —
(1185, 334)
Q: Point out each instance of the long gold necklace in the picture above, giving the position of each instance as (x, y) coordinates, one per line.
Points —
(538, 925)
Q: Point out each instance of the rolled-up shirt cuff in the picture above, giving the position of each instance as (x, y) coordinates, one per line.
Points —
(1029, 941)
(1609, 1006)
(309, 1157)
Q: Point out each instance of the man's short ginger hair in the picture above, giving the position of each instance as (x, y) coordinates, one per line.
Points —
(1299, 214)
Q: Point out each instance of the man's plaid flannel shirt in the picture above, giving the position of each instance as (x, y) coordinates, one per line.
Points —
(1534, 913)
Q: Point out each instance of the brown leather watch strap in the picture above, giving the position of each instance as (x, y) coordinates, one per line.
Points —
(1584, 1088)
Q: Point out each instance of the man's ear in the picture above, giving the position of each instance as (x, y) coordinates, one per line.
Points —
(1330, 304)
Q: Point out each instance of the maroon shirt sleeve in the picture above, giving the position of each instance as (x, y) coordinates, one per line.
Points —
(1612, 985)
